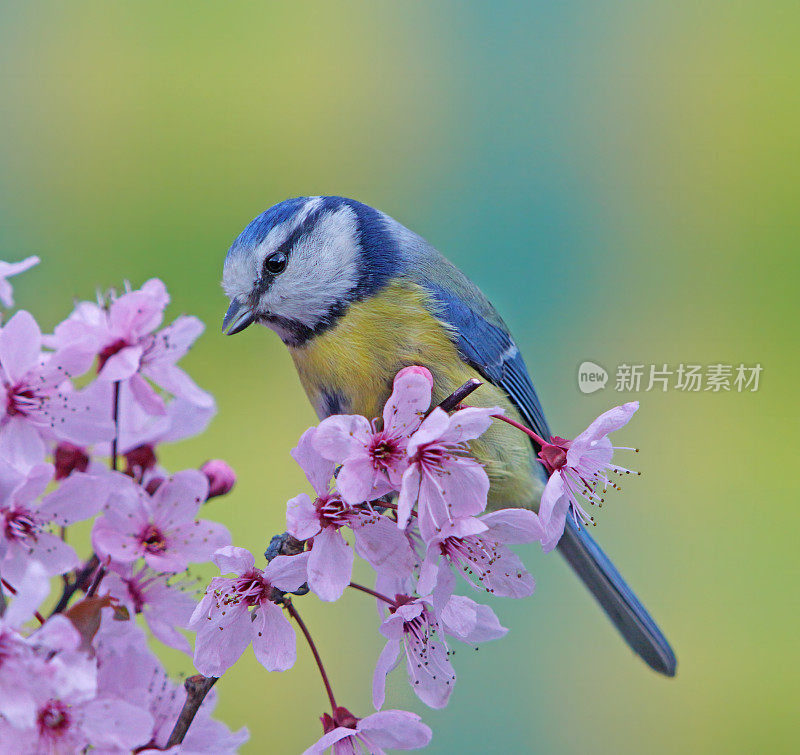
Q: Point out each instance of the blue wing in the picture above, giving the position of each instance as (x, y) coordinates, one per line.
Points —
(488, 347)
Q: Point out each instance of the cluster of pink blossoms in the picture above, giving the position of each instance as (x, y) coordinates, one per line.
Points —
(76, 672)
(405, 495)
(402, 492)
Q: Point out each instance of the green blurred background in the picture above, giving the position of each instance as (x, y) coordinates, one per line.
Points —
(621, 180)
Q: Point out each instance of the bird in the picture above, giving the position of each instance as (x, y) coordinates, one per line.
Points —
(356, 296)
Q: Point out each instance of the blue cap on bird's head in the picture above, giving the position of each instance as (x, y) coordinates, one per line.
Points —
(298, 265)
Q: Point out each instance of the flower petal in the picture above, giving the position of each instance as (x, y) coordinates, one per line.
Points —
(302, 521)
(288, 572)
(231, 559)
(410, 399)
(20, 344)
(342, 436)
(513, 526)
(274, 641)
(330, 565)
(387, 660)
(318, 470)
(396, 730)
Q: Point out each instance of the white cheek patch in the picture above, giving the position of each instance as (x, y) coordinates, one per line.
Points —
(323, 271)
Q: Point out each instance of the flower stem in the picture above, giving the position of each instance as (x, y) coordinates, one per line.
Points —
(393, 506)
(304, 629)
(98, 578)
(374, 594)
(197, 687)
(101, 571)
(541, 441)
(80, 579)
(459, 394)
(115, 417)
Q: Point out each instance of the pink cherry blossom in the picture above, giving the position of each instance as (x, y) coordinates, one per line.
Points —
(237, 611)
(392, 729)
(38, 402)
(162, 529)
(24, 520)
(124, 339)
(7, 270)
(330, 562)
(373, 460)
(413, 627)
(68, 713)
(164, 605)
(442, 481)
(477, 548)
(418, 627)
(68, 721)
(577, 469)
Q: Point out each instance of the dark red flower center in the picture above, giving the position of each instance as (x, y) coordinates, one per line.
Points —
(20, 400)
(20, 525)
(554, 454)
(332, 511)
(252, 588)
(53, 719)
(384, 450)
(109, 351)
(153, 539)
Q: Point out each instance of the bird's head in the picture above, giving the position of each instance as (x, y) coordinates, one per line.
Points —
(298, 266)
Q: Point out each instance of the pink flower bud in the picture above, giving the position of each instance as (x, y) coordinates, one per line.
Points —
(221, 478)
(69, 457)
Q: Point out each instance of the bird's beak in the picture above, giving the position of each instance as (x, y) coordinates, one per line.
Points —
(237, 318)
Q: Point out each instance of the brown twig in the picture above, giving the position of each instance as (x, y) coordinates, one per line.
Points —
(115, 417)
(197, 687)
(80, 579)
(304, 629)
(98, 578)
(459, 394)
(374, 594)
(94, 561)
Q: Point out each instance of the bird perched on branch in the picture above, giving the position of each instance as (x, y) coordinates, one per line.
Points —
(356, 296)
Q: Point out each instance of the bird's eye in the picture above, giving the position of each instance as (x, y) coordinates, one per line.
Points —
(275, 263)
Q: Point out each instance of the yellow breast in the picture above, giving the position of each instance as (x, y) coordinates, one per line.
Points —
(350, 368)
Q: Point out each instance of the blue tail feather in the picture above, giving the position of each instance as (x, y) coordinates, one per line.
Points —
(617, 599)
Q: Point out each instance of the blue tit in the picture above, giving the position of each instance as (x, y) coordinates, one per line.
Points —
(356, 296)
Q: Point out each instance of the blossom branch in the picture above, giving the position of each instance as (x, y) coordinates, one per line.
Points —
(458, 395)
(374, 594)
(101, 571)
(304, 629)
(115, 418)
(197, 687)
(81, 578)
(541, 441)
